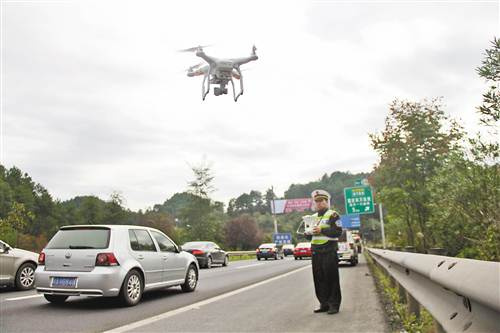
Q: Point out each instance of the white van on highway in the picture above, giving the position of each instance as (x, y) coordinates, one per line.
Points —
(347, 251)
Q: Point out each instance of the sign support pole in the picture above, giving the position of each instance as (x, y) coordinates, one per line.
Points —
(274, 214)
(382, 231)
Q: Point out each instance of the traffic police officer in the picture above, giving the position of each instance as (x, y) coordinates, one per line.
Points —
(323, 237)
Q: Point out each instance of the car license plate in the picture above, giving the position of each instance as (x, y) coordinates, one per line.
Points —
(64, 282)
(264, 251)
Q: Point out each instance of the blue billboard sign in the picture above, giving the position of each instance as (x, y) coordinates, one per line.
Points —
(282, 238)
(351, 221)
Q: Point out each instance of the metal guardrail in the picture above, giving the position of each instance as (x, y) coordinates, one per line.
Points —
(240, 253)
(463, 295)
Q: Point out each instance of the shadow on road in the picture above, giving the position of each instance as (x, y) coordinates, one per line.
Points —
(109, 303)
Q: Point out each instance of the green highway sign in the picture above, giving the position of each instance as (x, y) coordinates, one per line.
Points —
(358, 200)
(361, 182)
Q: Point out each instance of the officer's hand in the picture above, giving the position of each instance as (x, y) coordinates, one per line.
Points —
(316, 231)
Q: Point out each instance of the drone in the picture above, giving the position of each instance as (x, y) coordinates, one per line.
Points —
(218, 71)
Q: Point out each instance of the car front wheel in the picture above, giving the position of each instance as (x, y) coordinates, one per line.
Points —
(191, 280)
(132, 288)
(226, 261)
(209, 263)
(25, 277)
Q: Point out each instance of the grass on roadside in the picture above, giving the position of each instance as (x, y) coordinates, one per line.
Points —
(243, 257)
(399, 316)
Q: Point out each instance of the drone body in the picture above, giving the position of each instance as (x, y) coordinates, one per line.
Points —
(219, 71)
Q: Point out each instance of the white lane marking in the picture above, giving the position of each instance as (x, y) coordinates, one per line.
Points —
(253, 265)
(197, 305)
(23, 297)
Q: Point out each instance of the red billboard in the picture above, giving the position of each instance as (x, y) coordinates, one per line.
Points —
(291, 205)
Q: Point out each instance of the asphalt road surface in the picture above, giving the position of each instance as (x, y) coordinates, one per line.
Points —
(246, 296)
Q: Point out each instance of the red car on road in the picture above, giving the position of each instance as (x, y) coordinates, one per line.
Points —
(302, 250)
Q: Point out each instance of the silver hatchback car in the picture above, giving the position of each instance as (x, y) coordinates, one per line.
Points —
(112, 260)
(17, 267)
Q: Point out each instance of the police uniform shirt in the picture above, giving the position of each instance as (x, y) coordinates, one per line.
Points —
(333, 230)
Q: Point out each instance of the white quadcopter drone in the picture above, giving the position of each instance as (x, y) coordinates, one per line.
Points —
(218, 71)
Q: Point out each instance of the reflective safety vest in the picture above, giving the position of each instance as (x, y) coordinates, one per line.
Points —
(322, 222)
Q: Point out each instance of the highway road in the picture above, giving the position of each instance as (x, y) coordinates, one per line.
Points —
(246, 296)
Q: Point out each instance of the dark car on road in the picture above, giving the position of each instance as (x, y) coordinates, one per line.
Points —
(207, 253)
(288, 249)
(270, 250)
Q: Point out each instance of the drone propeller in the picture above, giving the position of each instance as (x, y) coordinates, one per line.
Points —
(194, 49)
(191, 68)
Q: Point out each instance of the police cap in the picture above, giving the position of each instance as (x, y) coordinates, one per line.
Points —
(320, 194)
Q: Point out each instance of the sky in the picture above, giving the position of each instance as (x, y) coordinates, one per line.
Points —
(94, 97)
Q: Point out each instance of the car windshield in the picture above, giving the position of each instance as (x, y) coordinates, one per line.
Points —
(80, 238)
(196, 245)
(267, 246)
(304, 245)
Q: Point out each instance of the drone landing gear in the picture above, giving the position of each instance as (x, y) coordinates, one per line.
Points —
(204, 92)
(241, 86)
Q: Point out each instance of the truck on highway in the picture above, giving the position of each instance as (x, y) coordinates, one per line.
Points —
(347, 251)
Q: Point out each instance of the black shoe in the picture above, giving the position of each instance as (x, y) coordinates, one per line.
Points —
(321, 309)
(333, 310)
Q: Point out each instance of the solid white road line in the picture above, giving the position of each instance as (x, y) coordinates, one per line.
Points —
(23, 297)
(253, 265)
(197, 305)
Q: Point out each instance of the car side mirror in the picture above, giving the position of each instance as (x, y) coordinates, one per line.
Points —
(4, 249)
(179, 249)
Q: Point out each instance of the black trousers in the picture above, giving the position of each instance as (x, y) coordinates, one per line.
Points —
(325, 267)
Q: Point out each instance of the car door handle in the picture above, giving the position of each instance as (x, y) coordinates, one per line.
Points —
(164, 257)
(140, 257)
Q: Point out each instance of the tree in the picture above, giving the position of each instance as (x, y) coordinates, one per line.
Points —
(416, 141)
(17, 220)
(202, 185)
(160, 221)
(247, 203)
(242, 233)
(201, 217)
(489, 111)
(174, 204)
(465, 192)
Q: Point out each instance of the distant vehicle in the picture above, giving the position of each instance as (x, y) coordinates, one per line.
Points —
(302, 250)
(288, 249)
(17, 267)
(270, 250)
(207, 253)
(357, 241)
(112, 260)
(347, 251)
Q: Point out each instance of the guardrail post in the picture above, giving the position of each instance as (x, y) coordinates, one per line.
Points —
(394, 284)
(437, 250)
(438, 328)
(410, 249)
(402, 294)
(413, 305)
